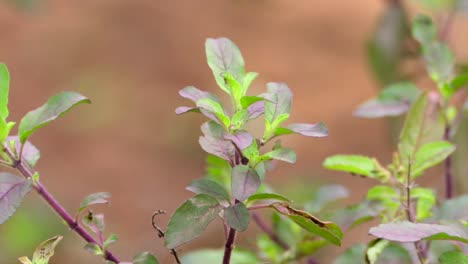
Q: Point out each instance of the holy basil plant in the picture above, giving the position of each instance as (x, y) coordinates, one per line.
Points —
(410, 218)
(225, 136)
(19, 153)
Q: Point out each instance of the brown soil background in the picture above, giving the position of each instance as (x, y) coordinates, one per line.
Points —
(132, 57)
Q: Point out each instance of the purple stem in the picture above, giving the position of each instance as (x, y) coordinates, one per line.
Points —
(58, 208)
(448, 168)
(230, 241)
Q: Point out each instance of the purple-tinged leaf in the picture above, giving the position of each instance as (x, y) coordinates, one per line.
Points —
(244, 182)
(224, 56)
(95, 198)
(394, 100)
(220, 148)
(12, 191)
(212, 129)
(407, 232)
(282, 154)
(213, 110)
(185, 109)
(309, 130)
(242, 139)
(57, 105)
(237, 216)
(195, 94)
(256, 110)
(191, 219)
(210, 188)
(30, 153)
(280, 103)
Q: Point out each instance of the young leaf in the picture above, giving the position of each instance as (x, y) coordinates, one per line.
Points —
(280, 103)
(224, 56)
(214, 110)
(429, 155)
(247, 101)
(191, 219)
(46, 250)
(30, 153)
(110, 240)
(282, 154)
(95, 198)
(194, 94)
(239, 256)
(267, 196)
(211, 188)
(394, 100)
(5, 128)
(453, 257)
(426, 200)
(245, 182)
(4, 91)
(237, 216)
(94, 249)
(12, 191)
(327, 230)
(256, 110)
(355, 164)
(413, 232)
(422, 125)
(242, 139)
(145, 258)
(423, 29)
(309, 130)
(53, 109)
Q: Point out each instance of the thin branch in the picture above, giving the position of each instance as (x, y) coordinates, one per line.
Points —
(57, 207)
(268, 231)
(230, 243)
(161, 233)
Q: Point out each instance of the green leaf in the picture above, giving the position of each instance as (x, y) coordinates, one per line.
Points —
(237, 216)
(145, 258)
(13, 189)
(393, 100)
(355, 164)
(46, 250)
(267, 196)
(426, 200)
(245, 182)
(248, 79)
(95, 198)
(247, 101)
(407, 232)
(423, 29)
(387, 196)
(4, 91)
(282, 154)
(239, 118)
(375, 249)
(5, 128)
(440, 62)
(211, 188)
(454, 209)
(353, 255)
(268, 248)
(224, 56)
(110, 240)
(191, 219)
(429, 155)
(327, 230)
(422, 125)
(216, 108)
(454, 85)
(386, 45)
(94, 249)
(354, 215)
(453, 257)
(57, 105)
(239, 256)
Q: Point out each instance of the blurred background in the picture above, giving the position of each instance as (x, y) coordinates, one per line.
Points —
(132, 57)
